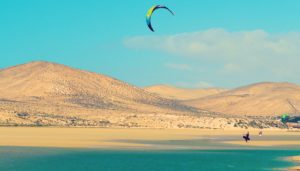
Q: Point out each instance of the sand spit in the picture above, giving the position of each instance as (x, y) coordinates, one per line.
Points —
(127, 138)
(295, 159)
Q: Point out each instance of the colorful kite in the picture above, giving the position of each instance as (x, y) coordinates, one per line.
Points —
(150, 12)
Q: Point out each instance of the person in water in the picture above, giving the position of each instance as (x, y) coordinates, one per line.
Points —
(247, 137)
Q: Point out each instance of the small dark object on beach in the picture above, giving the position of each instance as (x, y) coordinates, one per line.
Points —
(247, 137)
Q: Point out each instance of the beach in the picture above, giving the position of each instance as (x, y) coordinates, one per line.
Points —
(200, 141)
(120, 138)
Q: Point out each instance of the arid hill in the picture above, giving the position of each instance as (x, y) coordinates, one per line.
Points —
(54, 90)
(59, 84)
(257, 99)
(176, 93)
(49, 94)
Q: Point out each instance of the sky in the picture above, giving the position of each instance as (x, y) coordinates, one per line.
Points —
(208, 43)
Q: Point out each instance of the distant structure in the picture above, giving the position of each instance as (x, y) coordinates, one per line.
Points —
(291, 120)
(294, 121)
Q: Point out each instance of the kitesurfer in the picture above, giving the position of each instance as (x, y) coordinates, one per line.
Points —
(260, 133)
(247, 137)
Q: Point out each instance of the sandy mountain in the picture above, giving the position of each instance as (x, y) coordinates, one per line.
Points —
(257, 99)
(49, 94)
(54, 90)
(171, 92)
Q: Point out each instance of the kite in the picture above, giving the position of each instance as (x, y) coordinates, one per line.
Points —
(150, 12)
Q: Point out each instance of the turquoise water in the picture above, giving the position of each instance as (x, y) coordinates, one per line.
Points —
(54, 159)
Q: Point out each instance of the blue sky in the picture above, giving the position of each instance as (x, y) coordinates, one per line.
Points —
(207, 43)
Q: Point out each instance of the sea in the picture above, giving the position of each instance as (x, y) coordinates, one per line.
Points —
(68, 159)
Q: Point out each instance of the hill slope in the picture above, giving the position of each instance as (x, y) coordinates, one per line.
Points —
(47, 89)
(171, 92)
(256, 99)
(49, 94)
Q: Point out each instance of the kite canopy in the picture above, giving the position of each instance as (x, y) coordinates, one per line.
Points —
(150, 12)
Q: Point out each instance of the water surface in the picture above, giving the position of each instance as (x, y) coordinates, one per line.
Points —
(59, 159)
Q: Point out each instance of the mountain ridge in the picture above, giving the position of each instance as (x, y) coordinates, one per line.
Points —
(50, 94)
(265, 98)
(177, 93)
(52, 89)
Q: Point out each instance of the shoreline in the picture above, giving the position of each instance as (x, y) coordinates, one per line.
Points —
(296, 160)
(149, 139)
(139, 137)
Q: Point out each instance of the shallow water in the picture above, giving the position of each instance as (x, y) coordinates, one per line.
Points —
(49, 159)
(216, 143)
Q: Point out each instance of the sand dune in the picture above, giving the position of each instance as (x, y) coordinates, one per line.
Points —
(257, 99)
(172, 92)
